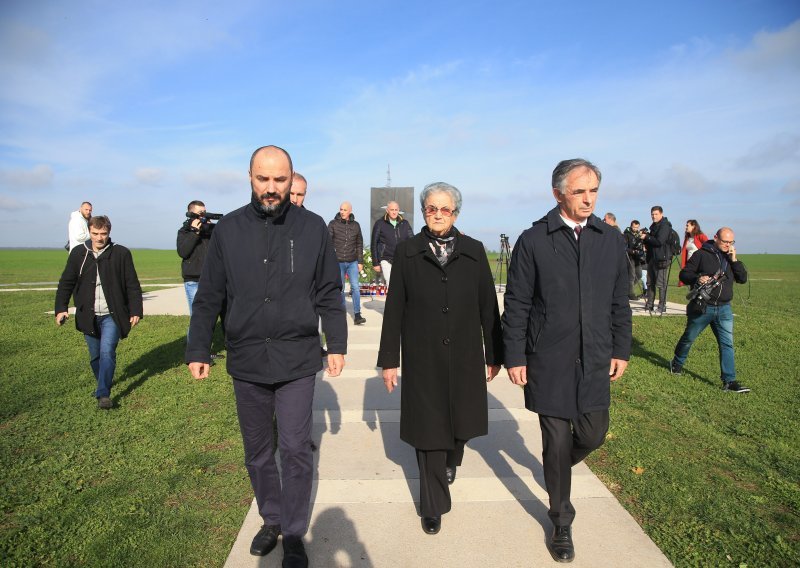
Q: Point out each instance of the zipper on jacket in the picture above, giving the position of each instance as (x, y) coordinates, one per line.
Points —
(291, 254)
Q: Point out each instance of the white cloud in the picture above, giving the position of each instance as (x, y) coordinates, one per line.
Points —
(16, 179)
(150, 176)
(12, 204)
(772, 51)
(220, 181)
(782, 147)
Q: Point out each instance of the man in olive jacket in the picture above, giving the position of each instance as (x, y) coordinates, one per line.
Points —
(101, 279)
(275, 265)
(567, 331)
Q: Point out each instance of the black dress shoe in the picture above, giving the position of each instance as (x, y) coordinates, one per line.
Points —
(431, 525)
(265, 540)
(451, 474)
(560, 545)
(294, 553)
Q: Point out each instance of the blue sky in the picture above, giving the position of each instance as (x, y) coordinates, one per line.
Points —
(140, 107)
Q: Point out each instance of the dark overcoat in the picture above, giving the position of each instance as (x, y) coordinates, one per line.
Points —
(117, 277)
(448, 323)
(567, 314)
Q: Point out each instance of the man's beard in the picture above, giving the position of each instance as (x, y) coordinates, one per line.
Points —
(271, 209)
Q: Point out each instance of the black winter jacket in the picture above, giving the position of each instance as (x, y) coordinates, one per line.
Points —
(447, 320)
(279, 274)
(192, 248)
(708, 261)
(117, 277)
(347, 240)
(657, 242)
(386, 237)
(567, 314)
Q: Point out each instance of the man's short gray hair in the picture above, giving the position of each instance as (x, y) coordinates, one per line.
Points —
(441, 187)
(566, 166)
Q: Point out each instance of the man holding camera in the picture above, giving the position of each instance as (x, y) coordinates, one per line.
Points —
(193, 239)
(634, 245)
(711, 271)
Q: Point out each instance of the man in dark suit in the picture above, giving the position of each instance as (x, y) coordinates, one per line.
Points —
(567, 331)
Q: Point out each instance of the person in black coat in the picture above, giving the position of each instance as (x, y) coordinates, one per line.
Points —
(192, 244)
(275, 265)
(387, 233)
(714, 268)
(659, 257)
(101, 279)
(567, 331)
(442, 317)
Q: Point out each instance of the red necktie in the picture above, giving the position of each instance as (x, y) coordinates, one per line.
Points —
(577, 230)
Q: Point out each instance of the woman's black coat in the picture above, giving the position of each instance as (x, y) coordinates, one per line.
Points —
(446, 318)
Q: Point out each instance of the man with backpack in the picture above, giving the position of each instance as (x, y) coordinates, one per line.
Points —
(659, 257)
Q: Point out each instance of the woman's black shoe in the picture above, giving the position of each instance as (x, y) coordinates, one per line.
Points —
(431, 525)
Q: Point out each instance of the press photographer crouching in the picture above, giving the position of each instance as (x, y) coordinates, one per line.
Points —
(711, 272)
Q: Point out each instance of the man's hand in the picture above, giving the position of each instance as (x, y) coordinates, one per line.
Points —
(335, 364)
(377, 268)
(196, 224)
(390, 378)
(732, 253)
(360, 268)
(61, 317)
(618, 367)
(491, 372)
(518, 375)
(199, 370)
(703, 279)
(134, 320)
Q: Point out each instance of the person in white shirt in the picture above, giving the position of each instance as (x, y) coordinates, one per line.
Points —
(78, 229)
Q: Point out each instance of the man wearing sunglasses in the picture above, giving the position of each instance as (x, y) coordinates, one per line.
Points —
(711, 271)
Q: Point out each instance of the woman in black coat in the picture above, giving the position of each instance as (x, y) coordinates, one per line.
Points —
(442, 309)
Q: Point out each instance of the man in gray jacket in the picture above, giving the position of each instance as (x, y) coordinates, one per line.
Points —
(567, 331)
(274, 264)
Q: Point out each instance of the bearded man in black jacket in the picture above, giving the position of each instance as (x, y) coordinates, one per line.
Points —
(275, 265)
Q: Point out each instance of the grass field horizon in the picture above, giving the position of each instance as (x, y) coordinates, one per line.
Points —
(712, 477)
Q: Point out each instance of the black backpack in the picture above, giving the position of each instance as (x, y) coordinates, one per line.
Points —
(674, 243)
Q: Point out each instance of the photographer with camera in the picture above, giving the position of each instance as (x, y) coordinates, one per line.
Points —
(193, 239)
(711, 272)
(634, 246)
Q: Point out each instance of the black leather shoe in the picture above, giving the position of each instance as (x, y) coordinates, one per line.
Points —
(294, 553)
(265, 540)
(560, 545)
(451, 474)
(432, 525)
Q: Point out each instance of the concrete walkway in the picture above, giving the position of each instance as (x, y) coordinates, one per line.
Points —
(364, 499)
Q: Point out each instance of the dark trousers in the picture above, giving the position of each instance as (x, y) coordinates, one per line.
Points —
(567, 442)
(656, 280)
(434, 493)
(283, 499)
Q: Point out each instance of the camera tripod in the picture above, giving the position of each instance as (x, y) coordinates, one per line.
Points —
(502, 263)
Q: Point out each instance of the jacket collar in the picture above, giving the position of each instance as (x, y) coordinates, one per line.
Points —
(554, 222)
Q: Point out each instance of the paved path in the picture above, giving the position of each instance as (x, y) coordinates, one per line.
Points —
(366, 482)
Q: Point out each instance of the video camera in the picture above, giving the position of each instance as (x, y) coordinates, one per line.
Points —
(205, 218)
(701, 294)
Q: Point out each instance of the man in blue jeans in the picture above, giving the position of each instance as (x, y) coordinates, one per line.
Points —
(349, 246)
(714, 268)
(102, 280)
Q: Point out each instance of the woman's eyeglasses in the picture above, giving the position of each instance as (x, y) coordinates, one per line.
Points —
(431, 210)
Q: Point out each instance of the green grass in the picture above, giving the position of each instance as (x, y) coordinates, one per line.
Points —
(159, 481)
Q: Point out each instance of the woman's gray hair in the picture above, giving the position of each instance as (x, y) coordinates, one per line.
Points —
(566, 166)
(441, 187)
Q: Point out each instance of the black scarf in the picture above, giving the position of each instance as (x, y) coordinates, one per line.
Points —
(442, 247)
